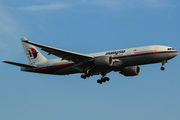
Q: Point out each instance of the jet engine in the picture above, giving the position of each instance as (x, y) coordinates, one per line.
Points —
(131, 71)
(103, 61)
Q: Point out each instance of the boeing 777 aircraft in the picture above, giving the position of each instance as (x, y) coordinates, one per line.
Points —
(124, 61)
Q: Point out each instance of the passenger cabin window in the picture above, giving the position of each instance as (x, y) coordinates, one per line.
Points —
(170, 48)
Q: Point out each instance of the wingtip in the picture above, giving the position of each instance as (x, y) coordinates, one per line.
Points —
(4, 61)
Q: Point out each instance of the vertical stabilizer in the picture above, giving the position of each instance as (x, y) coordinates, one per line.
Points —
(32, 54)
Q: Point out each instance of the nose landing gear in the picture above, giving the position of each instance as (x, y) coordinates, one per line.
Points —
(162, 68)
(163, 63)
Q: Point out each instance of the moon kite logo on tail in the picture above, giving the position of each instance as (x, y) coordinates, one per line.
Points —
(32, 53)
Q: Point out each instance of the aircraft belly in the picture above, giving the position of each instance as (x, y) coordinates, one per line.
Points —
(66, 71)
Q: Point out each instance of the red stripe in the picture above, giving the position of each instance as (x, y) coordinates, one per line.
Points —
(174, 51)
(43, 69)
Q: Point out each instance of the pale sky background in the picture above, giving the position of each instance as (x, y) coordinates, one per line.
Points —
(89, 26)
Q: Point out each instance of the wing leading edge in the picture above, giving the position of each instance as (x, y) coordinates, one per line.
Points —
(20, 64)
(64, 54)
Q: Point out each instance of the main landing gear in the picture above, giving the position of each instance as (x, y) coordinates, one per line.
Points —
(103, 78)
(100, 81)
(85, 76)
(163, 63)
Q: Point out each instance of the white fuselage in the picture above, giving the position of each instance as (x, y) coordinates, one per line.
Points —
(127, 57)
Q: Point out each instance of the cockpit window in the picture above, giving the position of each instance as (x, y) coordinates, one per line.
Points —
(170, 48)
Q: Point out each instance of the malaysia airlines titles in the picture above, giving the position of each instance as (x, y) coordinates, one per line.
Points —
(115, 52)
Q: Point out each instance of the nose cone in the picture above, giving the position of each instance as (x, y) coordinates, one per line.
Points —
(176, 53)
(173, 54)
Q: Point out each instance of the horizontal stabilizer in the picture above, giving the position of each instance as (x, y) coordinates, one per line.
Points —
(20, 64)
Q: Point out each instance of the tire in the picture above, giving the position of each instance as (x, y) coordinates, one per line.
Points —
(162, 68)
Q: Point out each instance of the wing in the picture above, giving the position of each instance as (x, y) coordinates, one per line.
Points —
(20, 64)
(64, 54)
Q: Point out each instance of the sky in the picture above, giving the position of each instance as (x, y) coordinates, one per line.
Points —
(89, 26)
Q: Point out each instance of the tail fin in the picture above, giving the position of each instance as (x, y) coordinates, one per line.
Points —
(32, 54)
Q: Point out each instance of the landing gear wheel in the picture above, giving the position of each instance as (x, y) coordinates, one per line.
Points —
(99, 81)
(162, 68)
(163, 63)
(106, 78)
(87, 75)
(103, 79)
(83, 76)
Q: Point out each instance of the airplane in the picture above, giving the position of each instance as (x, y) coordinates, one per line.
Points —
(124, 61)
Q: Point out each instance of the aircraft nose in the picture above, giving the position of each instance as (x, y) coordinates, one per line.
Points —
(174, 54)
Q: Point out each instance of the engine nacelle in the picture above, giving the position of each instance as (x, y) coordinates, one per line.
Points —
(131, 71)
(103, 61)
